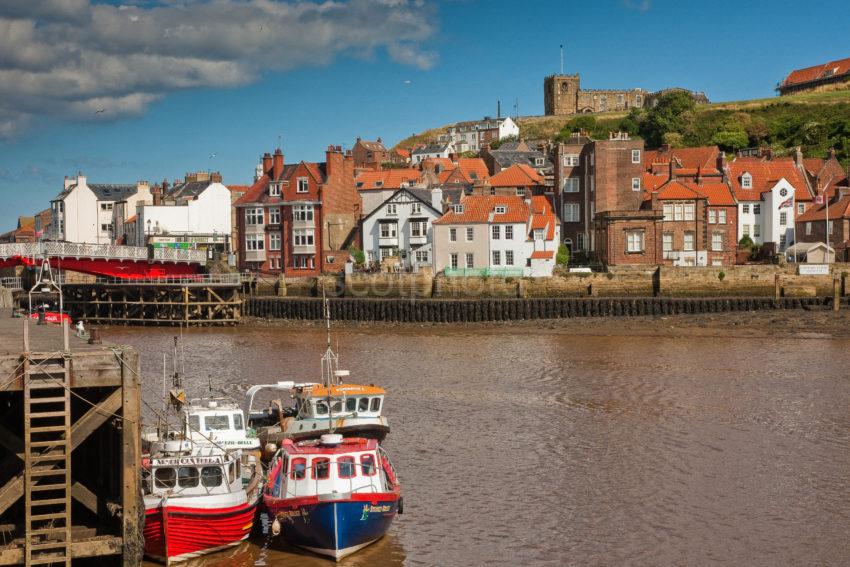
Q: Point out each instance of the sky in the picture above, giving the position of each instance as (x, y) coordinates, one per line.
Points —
(125, 91)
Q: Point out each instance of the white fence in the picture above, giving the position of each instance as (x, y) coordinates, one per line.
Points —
(198, 279)
(99, 251)
(11, 283)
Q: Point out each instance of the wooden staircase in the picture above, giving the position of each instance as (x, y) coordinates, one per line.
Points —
(47, 457)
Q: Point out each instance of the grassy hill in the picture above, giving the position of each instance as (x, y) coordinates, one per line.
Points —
(815, 121)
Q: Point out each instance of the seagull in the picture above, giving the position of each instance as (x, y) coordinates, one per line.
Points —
(261, 28)
(212, 155)
(100, 111)
(407, 82)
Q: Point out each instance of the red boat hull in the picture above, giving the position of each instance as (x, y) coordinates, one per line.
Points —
(177, 533)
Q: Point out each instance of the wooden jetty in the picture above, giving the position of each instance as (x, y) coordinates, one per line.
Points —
(69, 449)
(209, 299)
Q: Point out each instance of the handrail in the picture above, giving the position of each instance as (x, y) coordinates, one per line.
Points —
(100, 251)
(200, 279)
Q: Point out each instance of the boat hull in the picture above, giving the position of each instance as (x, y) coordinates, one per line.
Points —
(179, 533)
(335, 529)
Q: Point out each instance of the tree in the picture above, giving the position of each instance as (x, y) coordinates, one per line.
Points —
(563, 256)
(674, 140)
(494, 145)
(672, 113)
(730, 139)
(745, 242)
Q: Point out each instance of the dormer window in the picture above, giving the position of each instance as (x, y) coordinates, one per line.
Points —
(501, 209)
(379, 183)
(359, 184)
(458, 209)
(746, 181)
(274, 190)
(538, 162)
(303, 185)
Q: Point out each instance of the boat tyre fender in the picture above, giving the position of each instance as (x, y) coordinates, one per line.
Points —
(401, 504)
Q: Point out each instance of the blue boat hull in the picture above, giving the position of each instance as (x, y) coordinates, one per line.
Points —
(337, 529)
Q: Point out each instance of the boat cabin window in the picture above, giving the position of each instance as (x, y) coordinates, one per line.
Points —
(211, 476)
(187, 477)
(321, 408)
(345, 467)
(194, 423)
(298, 469)
(231, 471)
(351, 404)
(337, 407)
(376, 404)
(367, 465)
(363, 404)
(216, 422)
(237, 422)
(321, 468)
(165, 477)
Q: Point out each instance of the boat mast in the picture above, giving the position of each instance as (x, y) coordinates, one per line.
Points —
(330, 362)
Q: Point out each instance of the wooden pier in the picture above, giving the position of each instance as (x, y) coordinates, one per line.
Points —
(189, 300)
(69, 449)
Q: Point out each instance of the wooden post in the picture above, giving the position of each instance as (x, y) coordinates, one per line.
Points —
(836, 293)
(777, 288)
(133, 512)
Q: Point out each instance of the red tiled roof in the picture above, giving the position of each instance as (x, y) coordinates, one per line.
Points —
(766, 174)
(238, 188)
(517, 175)
(813, 165)
(704, 157)
(476, 166)
(131, 219)
(716, 193)
(387, 179)
(256, 191)
(831, 69)
(441, 162)
(403, 153)
(542, 215)
(542, 254)
(838, 209)
(480, 208)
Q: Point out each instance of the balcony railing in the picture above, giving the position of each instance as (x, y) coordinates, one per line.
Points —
(100, 251)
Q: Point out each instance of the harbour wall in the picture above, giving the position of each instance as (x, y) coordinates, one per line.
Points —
(665, 281)
(512, 309)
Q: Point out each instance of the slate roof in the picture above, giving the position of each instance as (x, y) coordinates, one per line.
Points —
(507, 158)
(112, 192)
(188, 191)
(432, 149)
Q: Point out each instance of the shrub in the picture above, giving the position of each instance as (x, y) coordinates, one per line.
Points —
(721, 276)
(358, 255)
(563, 256)
(746, 242)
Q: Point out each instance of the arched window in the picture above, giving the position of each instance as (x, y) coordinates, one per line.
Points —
(746, 181)
(565, 88)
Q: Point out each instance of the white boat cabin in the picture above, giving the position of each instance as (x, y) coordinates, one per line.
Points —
(199, 471)
(347, 400)
(311, 468)
(221, 422)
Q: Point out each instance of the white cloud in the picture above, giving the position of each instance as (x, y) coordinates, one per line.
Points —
(70, 58)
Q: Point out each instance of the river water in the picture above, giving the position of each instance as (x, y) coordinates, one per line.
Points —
(518, 446)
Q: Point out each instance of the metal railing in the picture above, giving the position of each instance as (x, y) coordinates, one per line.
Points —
(198, 279)
(11, 283)
(100, 251)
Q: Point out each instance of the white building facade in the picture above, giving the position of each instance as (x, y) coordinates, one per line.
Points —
(85, 213)
(473, 135)
(401, 227)
(771, 218)
(433, 151)
(191, 218)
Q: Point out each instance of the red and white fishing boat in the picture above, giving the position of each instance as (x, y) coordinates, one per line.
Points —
(198, 499)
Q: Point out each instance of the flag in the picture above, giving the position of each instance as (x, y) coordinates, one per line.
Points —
(786, 203)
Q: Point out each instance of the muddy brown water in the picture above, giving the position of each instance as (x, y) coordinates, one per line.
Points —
(518, 446)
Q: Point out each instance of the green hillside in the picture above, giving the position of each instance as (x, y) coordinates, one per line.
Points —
(814, 121)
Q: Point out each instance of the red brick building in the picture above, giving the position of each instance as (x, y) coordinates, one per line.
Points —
(369, 154)
(299, 218)
(812, 226)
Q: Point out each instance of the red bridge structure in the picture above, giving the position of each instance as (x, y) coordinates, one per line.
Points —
(120, 262)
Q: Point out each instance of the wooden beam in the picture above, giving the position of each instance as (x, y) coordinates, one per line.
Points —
(133, 509)
(94, 418)
(91, 547)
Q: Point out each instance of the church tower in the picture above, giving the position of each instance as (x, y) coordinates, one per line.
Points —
(560, 94)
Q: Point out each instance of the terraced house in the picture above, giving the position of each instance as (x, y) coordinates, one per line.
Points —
(497, 234)
(299, 219)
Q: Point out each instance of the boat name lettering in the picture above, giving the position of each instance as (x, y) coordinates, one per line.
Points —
(185, 461)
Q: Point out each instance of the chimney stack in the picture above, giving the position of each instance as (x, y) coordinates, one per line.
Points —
(277, 165)
(831, 154)
(437, 198)
(267, 164)
(798, 156)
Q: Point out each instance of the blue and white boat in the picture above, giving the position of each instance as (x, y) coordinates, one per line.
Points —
(332, 496)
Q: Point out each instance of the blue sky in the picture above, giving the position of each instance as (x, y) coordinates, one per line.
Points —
(427, 64)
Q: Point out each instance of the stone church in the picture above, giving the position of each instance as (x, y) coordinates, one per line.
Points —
(563, 95)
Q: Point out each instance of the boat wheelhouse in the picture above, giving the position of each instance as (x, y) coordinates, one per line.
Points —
(198, 499)
(349, 409)
(332, 496)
